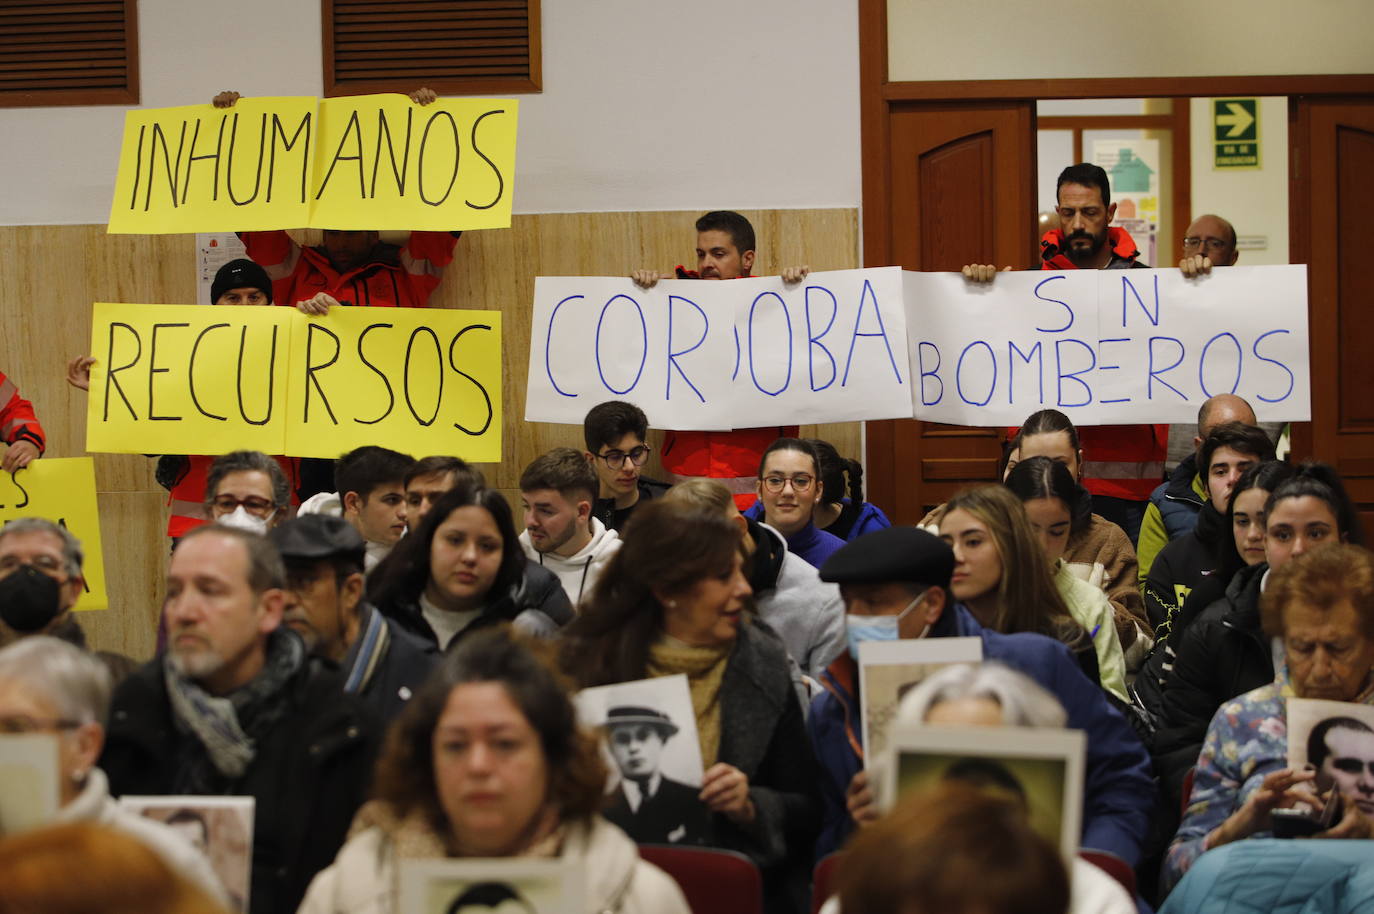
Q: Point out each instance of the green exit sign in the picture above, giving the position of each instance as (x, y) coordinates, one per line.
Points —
(1235, 132)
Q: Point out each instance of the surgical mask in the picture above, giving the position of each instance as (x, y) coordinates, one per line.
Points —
(242, 520)
(28, 599)
(877, 628)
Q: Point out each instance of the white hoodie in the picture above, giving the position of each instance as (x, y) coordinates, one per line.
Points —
(578, 573)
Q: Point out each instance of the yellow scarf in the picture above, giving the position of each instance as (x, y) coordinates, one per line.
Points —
(704, 668)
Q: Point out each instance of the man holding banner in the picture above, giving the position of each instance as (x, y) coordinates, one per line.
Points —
(1124, 462)
(19, 428)
(351, 267)
(725, 250)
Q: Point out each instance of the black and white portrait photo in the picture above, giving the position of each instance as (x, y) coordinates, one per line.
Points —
(1336, 738)
(221, 828)
(650, 737)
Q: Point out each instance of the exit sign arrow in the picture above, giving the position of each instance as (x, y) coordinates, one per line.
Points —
(1238, 119)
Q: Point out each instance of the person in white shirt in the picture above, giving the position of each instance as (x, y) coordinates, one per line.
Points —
(557, 492)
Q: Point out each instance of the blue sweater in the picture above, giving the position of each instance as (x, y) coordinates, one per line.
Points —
(810, 542)
(1119, 794)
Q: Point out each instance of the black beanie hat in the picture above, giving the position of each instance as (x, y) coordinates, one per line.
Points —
(240, 274)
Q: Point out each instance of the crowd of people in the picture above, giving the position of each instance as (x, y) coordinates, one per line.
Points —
(385, 656)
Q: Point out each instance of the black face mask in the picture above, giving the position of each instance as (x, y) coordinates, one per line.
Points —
(28, 599)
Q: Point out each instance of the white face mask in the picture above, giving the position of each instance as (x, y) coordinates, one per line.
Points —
(242, 520)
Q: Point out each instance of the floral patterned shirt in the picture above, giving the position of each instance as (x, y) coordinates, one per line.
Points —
(1247, 739)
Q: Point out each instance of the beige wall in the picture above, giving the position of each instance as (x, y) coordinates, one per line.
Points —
(53, 273)
(993, 39)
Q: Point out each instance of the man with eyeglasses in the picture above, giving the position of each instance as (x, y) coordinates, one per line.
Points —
(1209, 242)
(615, 433)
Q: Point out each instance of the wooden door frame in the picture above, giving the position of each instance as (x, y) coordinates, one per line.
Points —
(879, 98)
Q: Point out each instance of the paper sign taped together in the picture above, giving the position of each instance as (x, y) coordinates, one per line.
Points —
(1103, 346)
(62, 490)
(367, 162)
(184, 379)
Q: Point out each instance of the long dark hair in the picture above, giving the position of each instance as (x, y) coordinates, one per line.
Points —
(668, 547)
(1041, 477)
(403, 575)
(835, 470)
(1320, 480)
(1268, 475)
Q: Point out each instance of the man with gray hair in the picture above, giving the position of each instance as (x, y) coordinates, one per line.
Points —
(235, 707)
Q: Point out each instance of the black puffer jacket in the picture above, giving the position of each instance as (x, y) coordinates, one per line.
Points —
(1222, 654)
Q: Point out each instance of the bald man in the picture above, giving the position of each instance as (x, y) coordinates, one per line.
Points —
(1174, 505)
(1209, 242)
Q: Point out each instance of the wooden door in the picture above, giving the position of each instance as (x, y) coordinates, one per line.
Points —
(961, 189)
(1332, 231)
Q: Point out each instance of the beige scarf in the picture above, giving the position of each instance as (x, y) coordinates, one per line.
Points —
(704, 668)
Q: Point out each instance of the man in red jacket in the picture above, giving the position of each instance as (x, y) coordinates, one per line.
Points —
(1123, 463)
(19, 428)
(725, 250)
(350, 267)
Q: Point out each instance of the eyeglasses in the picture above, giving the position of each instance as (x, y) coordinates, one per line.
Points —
(253, 504)
(1192, 243)
(800, 483)
(21, 723)
(616, 459)
(50, 566)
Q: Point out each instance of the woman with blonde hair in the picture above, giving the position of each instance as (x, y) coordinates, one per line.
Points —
(1001, 575)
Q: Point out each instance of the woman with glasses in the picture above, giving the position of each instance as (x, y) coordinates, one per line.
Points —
(790, 489)
(50, 686)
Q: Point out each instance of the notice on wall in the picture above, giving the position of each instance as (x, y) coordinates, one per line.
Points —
(1235, 133)
(367, 162)
(1104, 346)
(62, 490)
(184, 379)
(720, 355)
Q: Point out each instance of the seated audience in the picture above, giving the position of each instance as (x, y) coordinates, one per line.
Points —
(953, 850)
(370, 494)
(430, 477)
(381, 662)
(49, 686)
(789, 595)
(994, 695)
(488, 761)
(675, 600)
(1321, 607)
(40, 582)
(846, 516)
(1188, 559)
(790, 488)
(1174, 504)
(557, 491)
(83, 867)
(1002, 578)
(1223, 652)
(236, 707)
(463, 570)
(616, 435)
(1049, 495)
(896, 584)
(1098, 550)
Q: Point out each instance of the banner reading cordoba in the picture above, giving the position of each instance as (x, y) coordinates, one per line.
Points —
(62, 490)
(187, 379)
(704, 355)
(359, 162)
(1104, 346)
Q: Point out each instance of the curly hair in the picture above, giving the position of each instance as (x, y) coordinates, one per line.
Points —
(525, 668)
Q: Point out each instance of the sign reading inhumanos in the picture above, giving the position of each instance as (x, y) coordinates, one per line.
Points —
(1104, 346)
(360, 162)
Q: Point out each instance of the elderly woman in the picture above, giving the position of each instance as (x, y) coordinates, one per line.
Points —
(1321, 606)
(674, 600)
(487, 761)
(50, 686)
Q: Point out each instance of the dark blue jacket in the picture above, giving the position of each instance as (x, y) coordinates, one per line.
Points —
(1119, 794)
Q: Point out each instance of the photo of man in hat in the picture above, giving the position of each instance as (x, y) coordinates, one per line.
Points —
(651, 808)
